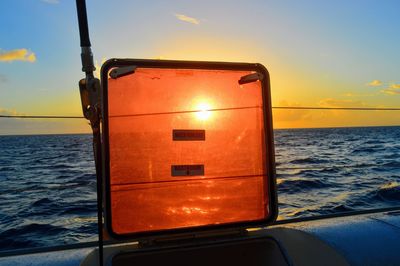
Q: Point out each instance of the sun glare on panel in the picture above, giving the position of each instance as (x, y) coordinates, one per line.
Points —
(204, 112)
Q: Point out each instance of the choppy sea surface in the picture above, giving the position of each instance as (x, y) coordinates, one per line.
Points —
(48, 183)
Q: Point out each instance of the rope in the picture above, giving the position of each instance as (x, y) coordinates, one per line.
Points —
(42, 116)
(210, 110)
(336, 108)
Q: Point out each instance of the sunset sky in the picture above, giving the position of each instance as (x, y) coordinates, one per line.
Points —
(319, 53)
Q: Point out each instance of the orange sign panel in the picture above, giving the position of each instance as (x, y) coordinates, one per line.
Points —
(186, 149)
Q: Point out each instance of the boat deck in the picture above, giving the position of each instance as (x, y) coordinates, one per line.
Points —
(369, 239)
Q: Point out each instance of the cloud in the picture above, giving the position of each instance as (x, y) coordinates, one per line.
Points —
(187, 19)
(290, 115)
(375, 83)
(53, 2)
(350, 94)
(97, 72)
(9, 112)
(17, 55)
(393, 89)
(395, 86)
(330, 102)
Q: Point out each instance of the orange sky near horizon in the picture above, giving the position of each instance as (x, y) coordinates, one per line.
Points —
(313, 59)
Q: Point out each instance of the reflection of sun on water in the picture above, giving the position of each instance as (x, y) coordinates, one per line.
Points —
(203, 113)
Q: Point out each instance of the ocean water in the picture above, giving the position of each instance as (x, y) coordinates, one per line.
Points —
(48, 183)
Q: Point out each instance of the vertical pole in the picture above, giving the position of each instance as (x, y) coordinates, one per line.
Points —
(90, 89)
(97, 157)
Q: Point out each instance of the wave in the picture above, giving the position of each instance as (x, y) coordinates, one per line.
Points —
(300, 185)
(82, 209)
(303, 212)
(374, 141)
(393, 155)
(84, 178)
(7, 168)
(389, 192)
(30, 235)
(395, 164)
(61, 166)
(369, 149)
(309, 160)
(340, 208)
(329, 208)
(363, 150)
(41, 202)
(48, 208)
(42, 208)
(52, 179)
(33, 228)
(311, 173)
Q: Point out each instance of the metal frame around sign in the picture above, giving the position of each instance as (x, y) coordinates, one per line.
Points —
(269, 143)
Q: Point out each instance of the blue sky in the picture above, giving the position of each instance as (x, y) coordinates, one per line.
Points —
(319, 53)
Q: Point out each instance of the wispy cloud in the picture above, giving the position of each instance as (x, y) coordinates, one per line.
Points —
(187, 19)
(9, 112)
(395, 86)
(290, 115)
(97, 72)
(393, 89)
(17, 55)
(331, 102)
(350, 94)
(375, 83)
(53, 2)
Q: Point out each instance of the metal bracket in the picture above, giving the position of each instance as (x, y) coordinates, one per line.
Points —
(122, 71)
(251, 78)
(90, 91)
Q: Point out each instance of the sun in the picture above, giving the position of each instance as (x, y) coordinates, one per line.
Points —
(203, 112)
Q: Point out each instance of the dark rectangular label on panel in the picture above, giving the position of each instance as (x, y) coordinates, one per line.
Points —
(187, 170)
(188, 134)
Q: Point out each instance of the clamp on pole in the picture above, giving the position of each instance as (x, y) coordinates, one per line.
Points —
(90, 91)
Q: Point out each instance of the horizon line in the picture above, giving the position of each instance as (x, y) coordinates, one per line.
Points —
(289, 128)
